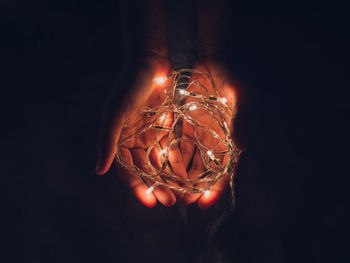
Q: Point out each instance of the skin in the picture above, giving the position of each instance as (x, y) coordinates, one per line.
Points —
(146, 58)
(142, 91)
(226, 85)
(212, 23)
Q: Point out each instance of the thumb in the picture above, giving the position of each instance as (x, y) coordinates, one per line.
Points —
(107, 143)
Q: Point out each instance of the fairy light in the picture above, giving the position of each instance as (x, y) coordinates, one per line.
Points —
(214, 110)
(149, 191)
(211, 155)
(160, 80)
(162, 118)
(183, 92)
(162, 152)
(223, 100)
(196, 95)
(206, 193)
(193, 107)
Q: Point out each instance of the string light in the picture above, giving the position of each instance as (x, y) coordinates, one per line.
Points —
(162, 118)
(162, 152)
(160, 80)
(193, 107)
(183, 92)
(149, 191)
(212, 157)
(217, 115)
(223, 100)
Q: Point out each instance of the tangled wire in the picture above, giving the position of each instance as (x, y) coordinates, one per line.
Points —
(187, 102)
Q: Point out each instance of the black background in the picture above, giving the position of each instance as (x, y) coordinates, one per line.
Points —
(60, 59)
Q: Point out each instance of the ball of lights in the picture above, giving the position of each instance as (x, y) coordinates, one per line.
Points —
(188, 101)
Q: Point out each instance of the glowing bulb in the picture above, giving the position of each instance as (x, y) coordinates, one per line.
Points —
(149, 190)
(183, 92)
(162, 118)
(160, 80)
(206, 193)
(223, 100)
(212, 157)
(162, 152)
(193, 107)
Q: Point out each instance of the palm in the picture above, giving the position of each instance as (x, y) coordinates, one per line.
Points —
(225, 87)
(140, 90)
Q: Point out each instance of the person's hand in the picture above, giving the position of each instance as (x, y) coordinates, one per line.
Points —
(137, 88)
(227, 87)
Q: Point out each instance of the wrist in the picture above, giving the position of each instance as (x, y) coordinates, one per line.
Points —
(212, 50)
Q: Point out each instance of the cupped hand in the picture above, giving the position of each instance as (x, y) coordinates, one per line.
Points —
(227, 87)
(137, 88)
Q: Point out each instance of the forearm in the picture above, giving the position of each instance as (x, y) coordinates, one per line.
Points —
(143, 28)
(213, 26)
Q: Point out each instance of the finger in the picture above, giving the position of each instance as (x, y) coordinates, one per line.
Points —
(196, 169)
(211, 196)
(135, 183)
(177, 164)
(187, 150)
(197, 166)
(142, 141)
(107, 145)
(175, 158)
(164, 195)
(156, 160)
